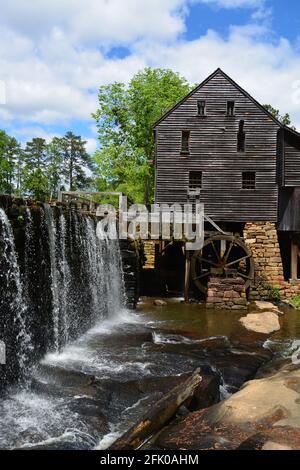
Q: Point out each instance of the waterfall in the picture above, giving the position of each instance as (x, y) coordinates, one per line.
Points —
(54, 273)
(106, 232)
(13, 308)
(64, 280)
(86, 274)
(60, 276)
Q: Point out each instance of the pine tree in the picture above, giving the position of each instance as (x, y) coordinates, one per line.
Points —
(76, 160)
(36, 182)
(55, 170)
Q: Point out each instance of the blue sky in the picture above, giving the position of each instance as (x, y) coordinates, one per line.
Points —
(54, 54)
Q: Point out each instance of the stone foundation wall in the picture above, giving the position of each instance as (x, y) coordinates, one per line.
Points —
(262, 239)
(226, 293)
(149, 252)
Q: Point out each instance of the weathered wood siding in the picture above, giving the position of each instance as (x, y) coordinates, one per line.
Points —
(213, 150)
(292, 161)
(289, 210)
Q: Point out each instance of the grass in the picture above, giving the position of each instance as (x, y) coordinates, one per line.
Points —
(295, 301)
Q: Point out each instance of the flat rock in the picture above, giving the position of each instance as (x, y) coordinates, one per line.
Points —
(263, 322)
(269, 306)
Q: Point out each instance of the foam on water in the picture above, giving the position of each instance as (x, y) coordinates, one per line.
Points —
(29, 419)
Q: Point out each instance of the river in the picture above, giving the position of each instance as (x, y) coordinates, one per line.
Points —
(86, 395)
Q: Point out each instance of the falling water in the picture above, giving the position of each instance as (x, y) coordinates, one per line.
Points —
(95, 251)
(86, 274)
(12, 300)
(28, 254)
(54, 273)
(106, 232)
(64, 280)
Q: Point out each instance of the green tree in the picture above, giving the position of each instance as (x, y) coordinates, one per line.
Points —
(55, 168)
(76, 161)
(125, 119)
(284, 119)
(35, 178)
(10, 151)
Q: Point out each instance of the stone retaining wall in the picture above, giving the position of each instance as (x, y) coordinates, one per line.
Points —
(226, 293)
(262, 239)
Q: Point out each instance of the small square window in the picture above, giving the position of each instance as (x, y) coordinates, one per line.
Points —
(185, 141)
(230, 108)
(201, 107)
(248, 180)
(195, 180)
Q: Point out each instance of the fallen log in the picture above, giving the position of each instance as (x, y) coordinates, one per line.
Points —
(159, 415)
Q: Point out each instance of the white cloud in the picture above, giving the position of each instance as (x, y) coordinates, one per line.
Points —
(101, 20)
(91, 145)
(54, 57)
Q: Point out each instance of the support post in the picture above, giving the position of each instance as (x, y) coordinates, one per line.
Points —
(187, 275)
(294, 260)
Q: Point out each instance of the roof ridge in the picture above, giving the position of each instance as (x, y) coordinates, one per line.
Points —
(233, 82)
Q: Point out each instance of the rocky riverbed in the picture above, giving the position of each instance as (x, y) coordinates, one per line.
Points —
(264, 414)
(98, 386)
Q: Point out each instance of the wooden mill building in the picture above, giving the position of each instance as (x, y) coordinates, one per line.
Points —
(246, 164)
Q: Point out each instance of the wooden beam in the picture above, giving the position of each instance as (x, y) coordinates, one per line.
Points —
(158, 415)
(187, 275)
(294, 260)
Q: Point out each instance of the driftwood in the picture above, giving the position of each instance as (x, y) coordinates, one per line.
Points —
(159, 415)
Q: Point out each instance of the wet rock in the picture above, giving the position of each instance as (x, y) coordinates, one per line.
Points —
(264, 414)
(236, 361)
(92, 414)
(159, 303)
(267, 306)
(151, 389)
(207, 393)
(280, 439)
(264, 322)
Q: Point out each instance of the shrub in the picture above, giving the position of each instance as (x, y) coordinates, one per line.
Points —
(269, 292)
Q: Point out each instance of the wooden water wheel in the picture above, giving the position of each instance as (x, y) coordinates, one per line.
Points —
(222, 255)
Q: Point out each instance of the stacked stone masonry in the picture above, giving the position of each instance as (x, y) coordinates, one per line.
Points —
(226, 293)
(149, 251)
(262, 239)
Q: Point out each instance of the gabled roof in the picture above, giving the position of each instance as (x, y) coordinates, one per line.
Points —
(292, 131)
(245, 93)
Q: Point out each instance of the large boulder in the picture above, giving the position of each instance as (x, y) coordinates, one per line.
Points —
(264, 414)
(265, 322)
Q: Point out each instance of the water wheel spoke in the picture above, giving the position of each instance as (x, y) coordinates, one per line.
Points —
(216, 252)
(238, 260)
(201, 276)
(205, 260)
(244, 276)
(226, 255)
